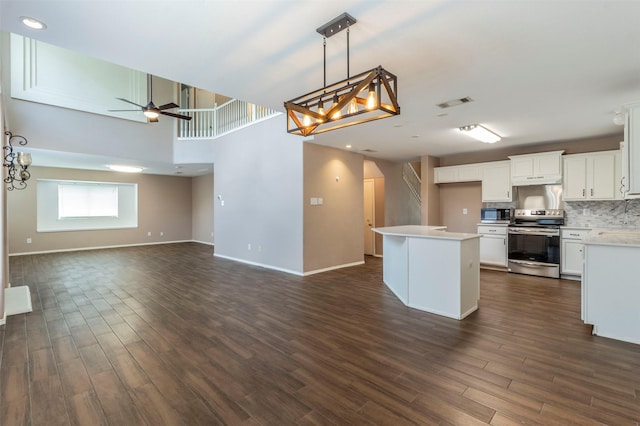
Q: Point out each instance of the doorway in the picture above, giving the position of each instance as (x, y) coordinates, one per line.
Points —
(374, 210)
(369, 216)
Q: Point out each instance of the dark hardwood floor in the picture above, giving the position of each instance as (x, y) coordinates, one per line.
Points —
(170, 335)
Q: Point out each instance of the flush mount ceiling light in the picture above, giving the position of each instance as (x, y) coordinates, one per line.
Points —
(125, 169)
(480, 133)
(368, 96)
(32, 23)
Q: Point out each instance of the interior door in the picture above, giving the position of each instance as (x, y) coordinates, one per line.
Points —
(369, 216)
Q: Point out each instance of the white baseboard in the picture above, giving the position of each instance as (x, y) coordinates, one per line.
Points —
(289, 271)
(262, 265)
(105, 247)
(331, 268)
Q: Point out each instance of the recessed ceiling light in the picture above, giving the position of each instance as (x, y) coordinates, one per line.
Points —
(32, 23)
(348, 146)
(125, 169)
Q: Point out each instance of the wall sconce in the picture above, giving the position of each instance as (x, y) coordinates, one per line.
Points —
(16, 163)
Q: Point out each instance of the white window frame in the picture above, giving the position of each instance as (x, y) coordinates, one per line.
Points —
(48, 219)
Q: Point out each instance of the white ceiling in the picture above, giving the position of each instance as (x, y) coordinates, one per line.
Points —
(538, 71)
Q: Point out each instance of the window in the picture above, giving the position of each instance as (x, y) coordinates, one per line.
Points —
(64, 205)
(79, 200)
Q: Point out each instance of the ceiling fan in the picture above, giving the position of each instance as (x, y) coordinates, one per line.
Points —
(151, 111)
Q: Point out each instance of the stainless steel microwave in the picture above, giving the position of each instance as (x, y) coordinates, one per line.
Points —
(493, 215)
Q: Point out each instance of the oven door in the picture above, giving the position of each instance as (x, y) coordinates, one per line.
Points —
(534, 251)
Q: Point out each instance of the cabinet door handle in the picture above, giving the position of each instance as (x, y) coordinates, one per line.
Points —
(592, 192)
(583, 192)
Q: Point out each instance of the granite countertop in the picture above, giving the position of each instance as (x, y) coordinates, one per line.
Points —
(614, 237)
(420, 231)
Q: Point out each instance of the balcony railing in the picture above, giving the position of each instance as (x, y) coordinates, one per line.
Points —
(210, 123)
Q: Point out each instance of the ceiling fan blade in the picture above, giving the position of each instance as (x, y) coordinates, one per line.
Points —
(129, 102)
(170, 114)
(168, 106)
(122, 110)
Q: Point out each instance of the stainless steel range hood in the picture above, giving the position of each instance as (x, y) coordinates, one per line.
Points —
(539, 197)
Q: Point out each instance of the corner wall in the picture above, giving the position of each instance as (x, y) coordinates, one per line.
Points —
(164, 205)
(258, 185)
(334, 230)
(202, 209)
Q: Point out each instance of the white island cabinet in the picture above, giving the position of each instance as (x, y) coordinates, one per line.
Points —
(432, 270)
(610, 284)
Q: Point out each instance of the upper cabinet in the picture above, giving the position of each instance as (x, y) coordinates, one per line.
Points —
(593, 176)
(496, 183)
(631, 153)
(536, 169)
(463, 173)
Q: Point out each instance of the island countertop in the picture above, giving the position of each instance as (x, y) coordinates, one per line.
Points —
(614, 237)
(421, 231)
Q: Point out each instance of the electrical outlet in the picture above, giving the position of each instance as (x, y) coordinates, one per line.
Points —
(249, 246)
(259, 248)
(148, 234)
(28, 240)
(465, 211)
(161, 233)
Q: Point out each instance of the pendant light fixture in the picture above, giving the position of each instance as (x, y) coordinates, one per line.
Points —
(368, 96)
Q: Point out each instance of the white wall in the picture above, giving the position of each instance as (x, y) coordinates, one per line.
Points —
(259, 176)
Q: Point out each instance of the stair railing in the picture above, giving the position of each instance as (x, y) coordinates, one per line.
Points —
(412, 180)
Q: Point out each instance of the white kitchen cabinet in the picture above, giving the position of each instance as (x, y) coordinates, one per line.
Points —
(496, 182)
(571, 242)
(535, 169)
(593, 176)
(631, 153)
(462, 173)
(493, 245)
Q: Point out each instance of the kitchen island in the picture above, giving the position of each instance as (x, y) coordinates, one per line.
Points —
(610, 284)
(432, 270)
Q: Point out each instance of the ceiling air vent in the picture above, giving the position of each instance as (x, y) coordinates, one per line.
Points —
(455, 102)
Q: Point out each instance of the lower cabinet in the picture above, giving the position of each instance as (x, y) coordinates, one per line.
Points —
(572, 252)
(493, 245)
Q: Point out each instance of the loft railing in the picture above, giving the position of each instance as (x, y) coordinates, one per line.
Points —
(209, 123)
(412, 180)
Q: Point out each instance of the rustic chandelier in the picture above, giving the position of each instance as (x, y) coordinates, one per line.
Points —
(361, 98)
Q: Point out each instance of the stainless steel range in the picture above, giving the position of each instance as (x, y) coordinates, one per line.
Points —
(534, 242)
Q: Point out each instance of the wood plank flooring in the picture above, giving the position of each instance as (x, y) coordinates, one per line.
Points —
(168, 334)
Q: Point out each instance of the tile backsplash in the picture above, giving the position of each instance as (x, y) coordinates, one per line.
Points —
(603, 214)
(596, 214)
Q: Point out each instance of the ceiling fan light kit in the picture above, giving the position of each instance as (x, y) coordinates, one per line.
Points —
(151, 111)
(368, 96)
(480, 133)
